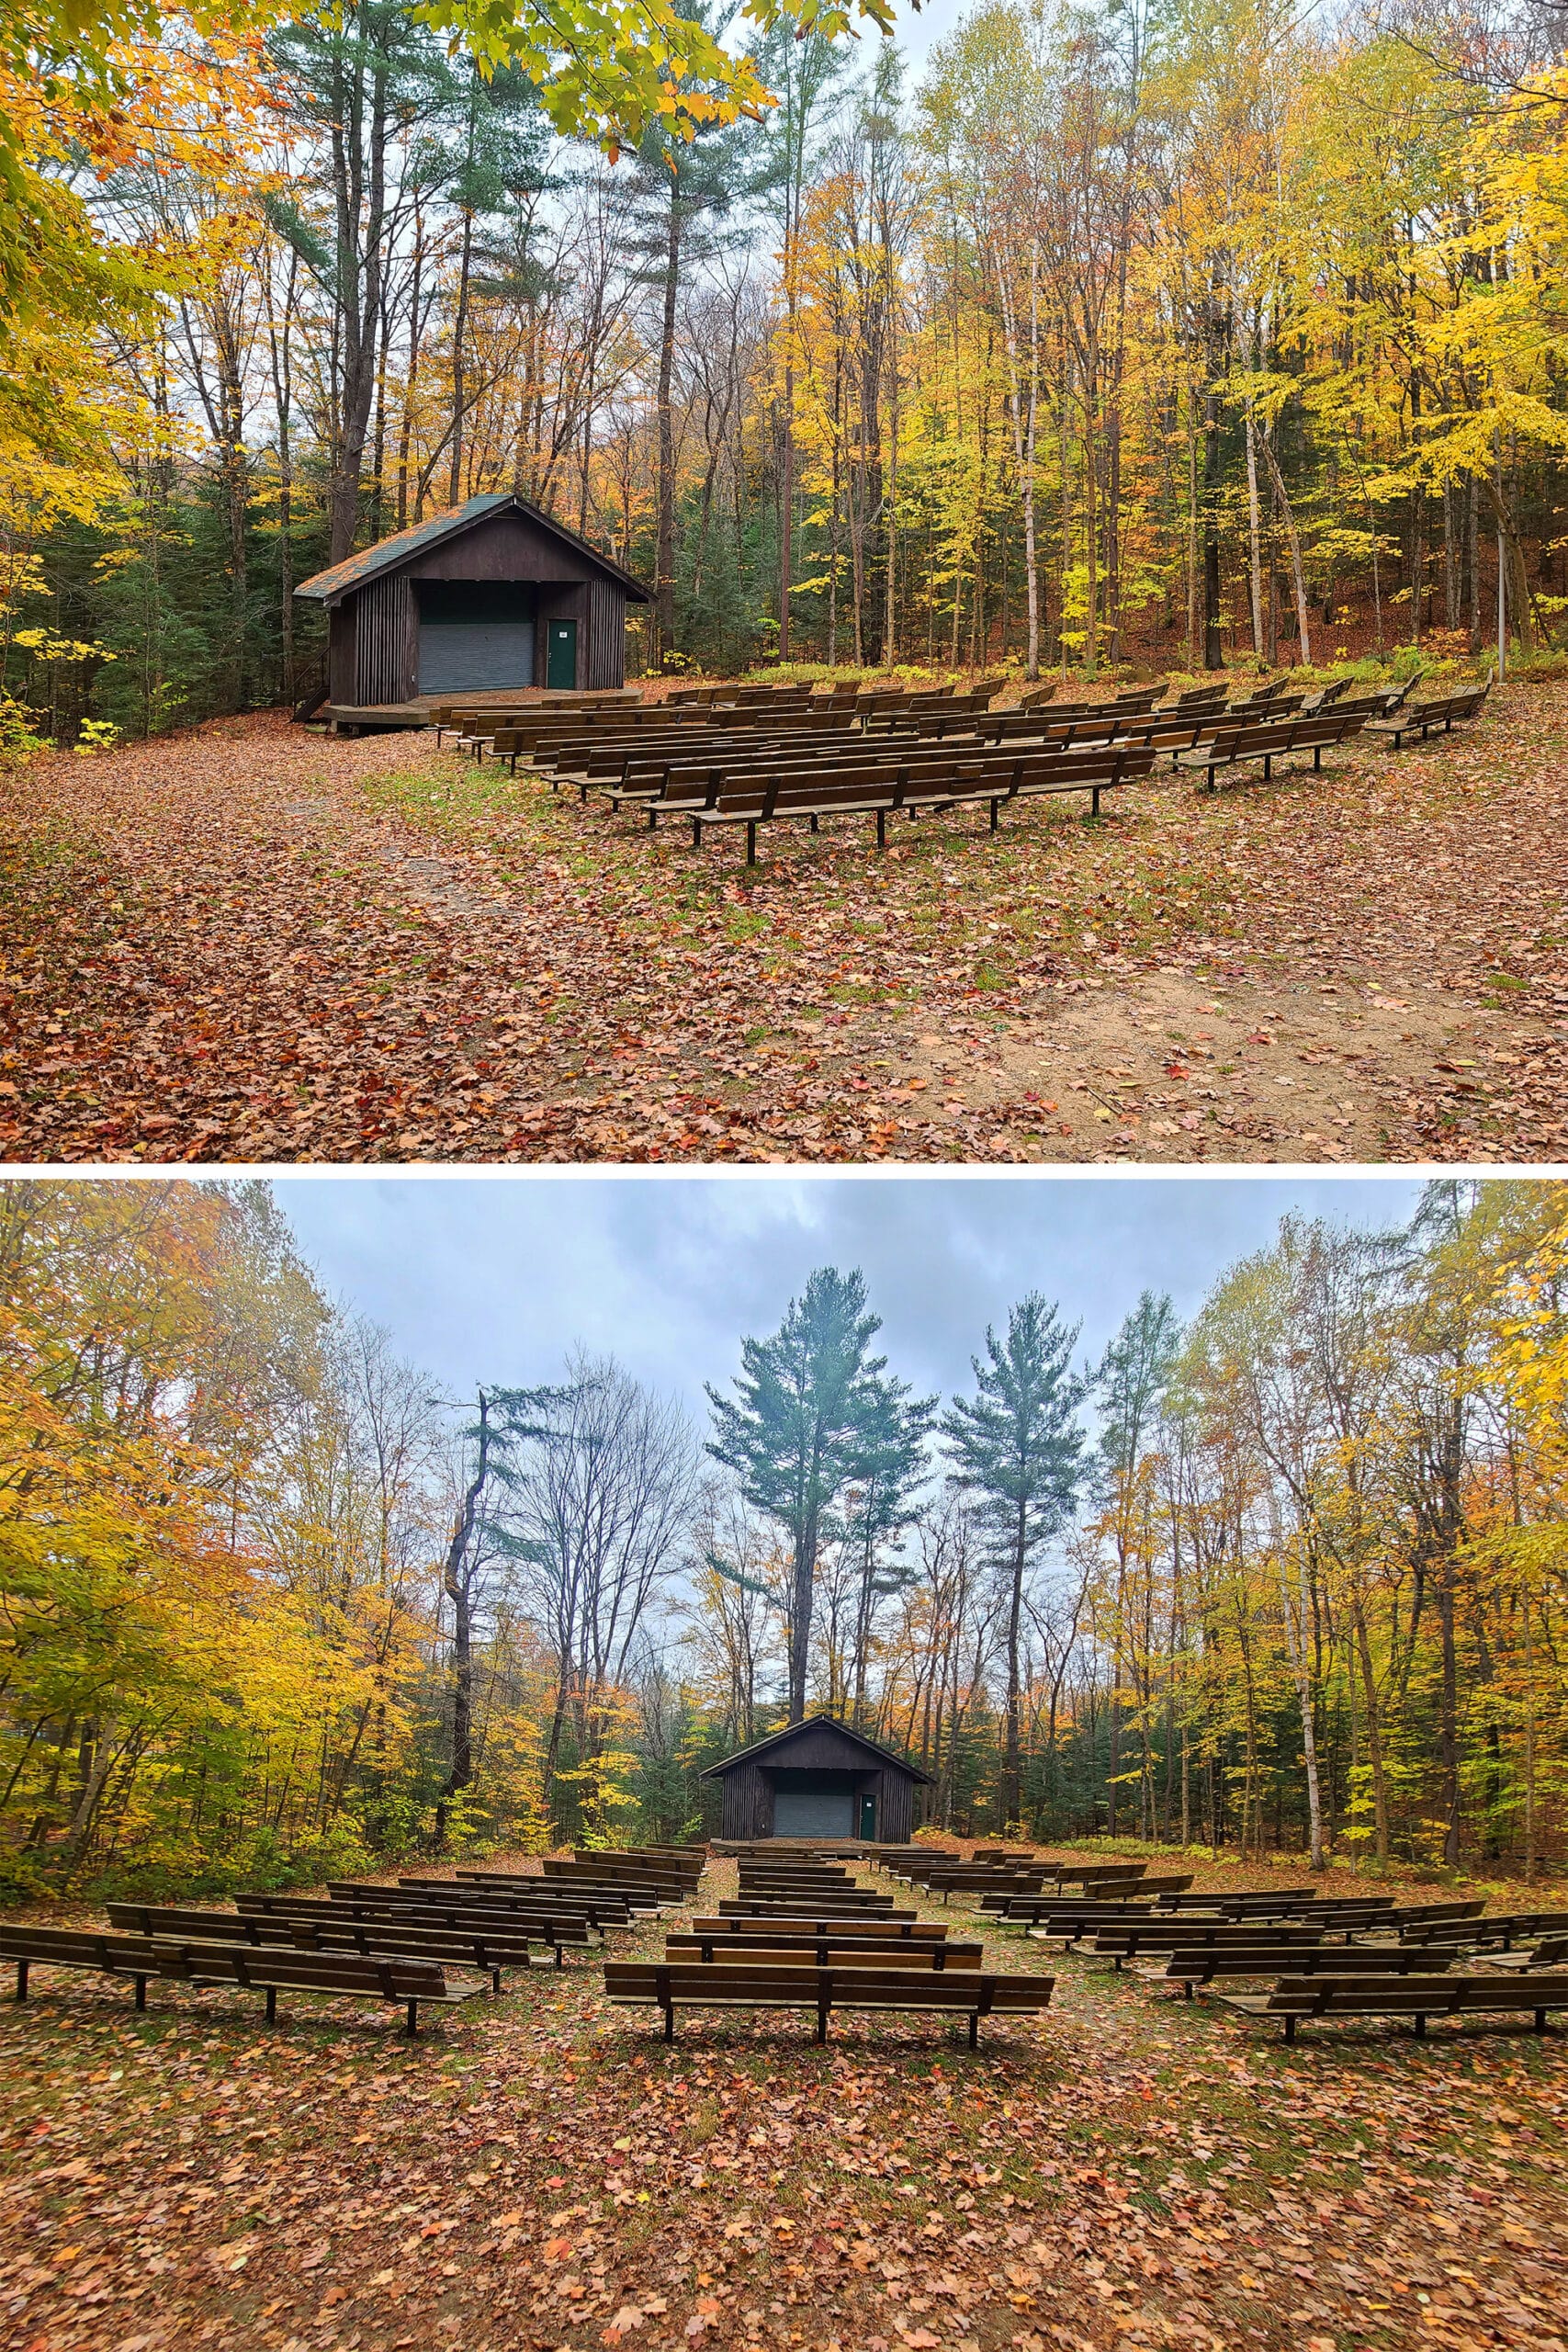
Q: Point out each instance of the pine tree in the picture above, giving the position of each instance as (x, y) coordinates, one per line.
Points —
(1016, 1445)
(811, 1414)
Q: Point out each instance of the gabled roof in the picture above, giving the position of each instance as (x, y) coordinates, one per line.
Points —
(330, 586)
(761, 1748)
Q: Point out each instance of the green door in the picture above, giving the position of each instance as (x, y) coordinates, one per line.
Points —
(561, 653)
(868, 1816)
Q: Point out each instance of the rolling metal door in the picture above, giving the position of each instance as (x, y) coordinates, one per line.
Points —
(459, 657)
(814, 1813)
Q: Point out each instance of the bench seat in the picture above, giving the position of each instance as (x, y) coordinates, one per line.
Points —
(1446, 711)
(669, 1986)
(1295, 1998)
(490, 1951)
(268, 1969)
(1203, 1965)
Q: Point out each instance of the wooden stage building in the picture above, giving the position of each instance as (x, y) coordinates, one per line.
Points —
(818, 1779)
(495, 596)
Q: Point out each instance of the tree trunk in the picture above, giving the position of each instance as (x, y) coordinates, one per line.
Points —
(1011, 1791)
(457, 1582)
(664, 562)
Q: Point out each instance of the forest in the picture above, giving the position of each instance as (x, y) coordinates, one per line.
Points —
(1126, 335)
(1291, 1577)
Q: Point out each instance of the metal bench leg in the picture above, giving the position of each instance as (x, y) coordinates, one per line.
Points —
(1267, 766)
(697, 832)
(814, 826)
(495, 1980)
(973, 2029)
(1094, 802)
(881, 828)
(653, 820)
(560, 1956)
(669, 2022)
(21, 1980)
(995, 806)
(141, 1992)
(1289, 2028)
(272, 2004)
(1420, 2029)
(750, 842)
(1540, 2020)
(822, 2007)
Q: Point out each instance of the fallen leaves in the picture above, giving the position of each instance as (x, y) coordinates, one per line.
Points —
(1126, 2172)
(248, 942)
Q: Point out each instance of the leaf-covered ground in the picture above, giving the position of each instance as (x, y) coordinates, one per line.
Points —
(250, 942)
(543, 2173)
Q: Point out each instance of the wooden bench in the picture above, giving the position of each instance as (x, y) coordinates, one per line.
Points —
(671, 1985)
(491, 1949)
(1500, 1932)
(975, 1878)
(563, 1923)
(609, 1869)
(1128, 1939)
(1296, 1998)
(567, 1895)
(1194, 1965)
(269, 1968)
(787, 1948)
(1090, 1873)
(902, 787)
(1551, 1952)
(1067, 1917)
(1269, 740)
(640, 1894)
(1246, 1902)
(1110, 1890)
(883, 1929)
(814, 1914)
(863, 1902)
(1446, 711)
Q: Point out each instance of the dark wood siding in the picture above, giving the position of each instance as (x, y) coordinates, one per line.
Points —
(748, 1803)
(603, 660)
(505, 547)
(342, 686)
(747, 1784)
(895, 1809)
(385, 669)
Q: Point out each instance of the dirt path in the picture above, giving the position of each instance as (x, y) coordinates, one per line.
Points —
(247, 943)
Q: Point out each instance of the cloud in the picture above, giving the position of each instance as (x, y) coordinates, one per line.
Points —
(495, 1278)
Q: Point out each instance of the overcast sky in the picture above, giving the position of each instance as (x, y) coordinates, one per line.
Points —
(493, 1279)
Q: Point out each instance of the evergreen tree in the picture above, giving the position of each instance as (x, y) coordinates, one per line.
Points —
(1019, 1448)
(811, 1414)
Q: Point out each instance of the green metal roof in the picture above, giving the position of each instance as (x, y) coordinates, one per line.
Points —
(388, 555)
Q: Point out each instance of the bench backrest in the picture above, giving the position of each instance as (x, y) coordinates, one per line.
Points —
(740, 1926)
(1274, 1958)
(240, 1963)
(812, 1987)
(333, 1930)
(825, 1952)
(1351, 1996)
(1169, 1934)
